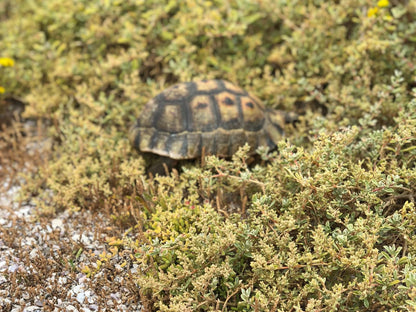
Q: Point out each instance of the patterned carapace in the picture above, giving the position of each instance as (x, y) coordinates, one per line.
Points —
(213, 117)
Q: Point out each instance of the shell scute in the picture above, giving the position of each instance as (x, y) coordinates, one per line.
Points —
(170, 119)
(253, 114)
(229, 110)
(202, 112)
(233, 87)
(176, 92)
(207, 85)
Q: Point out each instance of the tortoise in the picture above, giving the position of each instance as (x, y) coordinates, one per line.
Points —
(208, 117)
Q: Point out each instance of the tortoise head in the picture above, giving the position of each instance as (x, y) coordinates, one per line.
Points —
(276, 121)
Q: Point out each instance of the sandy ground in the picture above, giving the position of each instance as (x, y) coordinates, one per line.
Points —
(43, 261)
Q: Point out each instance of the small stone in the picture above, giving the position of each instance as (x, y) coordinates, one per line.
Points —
(30, 241)
(13, 268)
(81, 297)
(115, 296)
(32, 309)
(33, 254)
(62, 280)
(38, 303)
(57, 223)
(25, 295)
(83, 238)
(77, 289)
(3, 265)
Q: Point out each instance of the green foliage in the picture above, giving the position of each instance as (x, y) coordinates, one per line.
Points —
(323, 230)
(327, 223)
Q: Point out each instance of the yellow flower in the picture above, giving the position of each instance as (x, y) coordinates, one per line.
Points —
(383, 3)
(6, 61)
(372, 12)
(2, 90)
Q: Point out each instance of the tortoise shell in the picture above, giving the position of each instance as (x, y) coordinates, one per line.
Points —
(209, 117)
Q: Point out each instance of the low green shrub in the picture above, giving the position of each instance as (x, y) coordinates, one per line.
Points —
(327, 223)
(322, 230)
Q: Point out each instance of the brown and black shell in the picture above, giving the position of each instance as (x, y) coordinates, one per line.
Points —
(210, 117)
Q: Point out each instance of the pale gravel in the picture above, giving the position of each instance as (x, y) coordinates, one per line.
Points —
(24, 288)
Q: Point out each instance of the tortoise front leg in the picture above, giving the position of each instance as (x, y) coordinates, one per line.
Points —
(160, 165)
